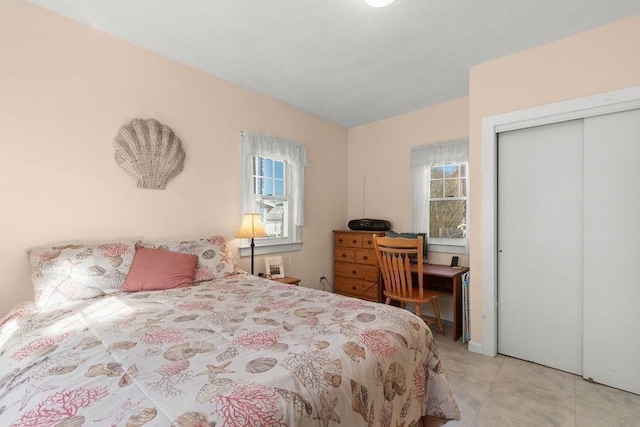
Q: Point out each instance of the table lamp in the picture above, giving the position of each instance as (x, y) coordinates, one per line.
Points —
(251, 227)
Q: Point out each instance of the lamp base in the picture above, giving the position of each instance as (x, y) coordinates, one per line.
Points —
(252, 248)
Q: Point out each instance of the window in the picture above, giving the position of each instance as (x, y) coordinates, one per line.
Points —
(440, 177)
(448, 201)
(270, 193)
(273, 186)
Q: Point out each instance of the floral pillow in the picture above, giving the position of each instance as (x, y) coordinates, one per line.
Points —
(215, 259)
(61, 274)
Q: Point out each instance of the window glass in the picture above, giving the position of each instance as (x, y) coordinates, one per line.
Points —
(451, 187)
(437, 190)
(278, 188)
(278, 170)
(270, 195)
(436, 172)
(447, 219)
(451, 171)
(447, 201)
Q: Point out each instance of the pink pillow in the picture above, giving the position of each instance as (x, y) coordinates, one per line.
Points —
(155, 269)
(215, 259)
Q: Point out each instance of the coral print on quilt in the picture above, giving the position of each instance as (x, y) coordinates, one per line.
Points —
(236, 351)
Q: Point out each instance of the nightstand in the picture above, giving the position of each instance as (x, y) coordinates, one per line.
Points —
(288, 280)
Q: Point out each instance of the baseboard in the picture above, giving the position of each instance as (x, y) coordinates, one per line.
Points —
(474, 347)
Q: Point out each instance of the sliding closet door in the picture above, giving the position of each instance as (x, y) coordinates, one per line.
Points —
(612, 250)
(540, 245)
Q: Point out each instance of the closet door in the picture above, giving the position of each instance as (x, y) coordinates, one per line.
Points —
(540, 245)
(612, 250)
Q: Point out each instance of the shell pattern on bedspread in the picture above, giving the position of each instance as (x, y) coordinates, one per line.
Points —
(236, 351)
(150, 151)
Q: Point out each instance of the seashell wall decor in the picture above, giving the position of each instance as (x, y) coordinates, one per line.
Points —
(150, 151)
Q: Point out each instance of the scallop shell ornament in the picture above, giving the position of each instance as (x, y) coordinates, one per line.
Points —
(150, 151)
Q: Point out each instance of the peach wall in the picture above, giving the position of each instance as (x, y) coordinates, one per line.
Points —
(600, 60)
(380, 151)
(66, 89)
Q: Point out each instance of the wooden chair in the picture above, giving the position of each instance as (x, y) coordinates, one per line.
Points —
(394, 258)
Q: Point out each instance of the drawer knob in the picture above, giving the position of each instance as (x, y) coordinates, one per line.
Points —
(354, 240)
(339, 240)
(353, 272)
(365, 257)
(353, 288)
(369, 242)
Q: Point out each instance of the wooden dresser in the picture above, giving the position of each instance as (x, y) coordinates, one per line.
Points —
(356, 272)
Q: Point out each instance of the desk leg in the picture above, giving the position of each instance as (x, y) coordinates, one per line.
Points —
(457, 306)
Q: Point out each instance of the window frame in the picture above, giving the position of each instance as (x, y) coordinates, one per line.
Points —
(284, 197)
(293, 155)
(291, 229)
(423, 158)
(449, 241)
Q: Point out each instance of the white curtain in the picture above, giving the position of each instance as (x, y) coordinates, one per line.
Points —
(257, 144)
(422, 158)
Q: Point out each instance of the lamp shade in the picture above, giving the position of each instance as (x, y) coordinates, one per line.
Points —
(251, 227)
(378, 3)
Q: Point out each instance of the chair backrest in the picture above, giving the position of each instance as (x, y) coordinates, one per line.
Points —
(395, 266)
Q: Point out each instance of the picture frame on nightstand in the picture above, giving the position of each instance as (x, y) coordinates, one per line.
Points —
(274, 267)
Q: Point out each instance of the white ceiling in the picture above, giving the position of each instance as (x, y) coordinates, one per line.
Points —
(341, 59)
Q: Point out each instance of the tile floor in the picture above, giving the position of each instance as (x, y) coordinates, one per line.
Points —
(503, 391)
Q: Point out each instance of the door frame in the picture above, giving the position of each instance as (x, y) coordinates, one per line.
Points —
(579, 108)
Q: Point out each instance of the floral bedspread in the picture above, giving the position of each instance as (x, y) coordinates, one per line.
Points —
(238, 351)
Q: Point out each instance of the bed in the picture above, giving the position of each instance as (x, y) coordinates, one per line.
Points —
(231, 349)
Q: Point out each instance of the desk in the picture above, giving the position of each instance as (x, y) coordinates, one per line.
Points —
(446, 280)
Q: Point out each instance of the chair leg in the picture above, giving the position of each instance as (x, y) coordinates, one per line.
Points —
(418, 311)
(388, 301)
(436, 312)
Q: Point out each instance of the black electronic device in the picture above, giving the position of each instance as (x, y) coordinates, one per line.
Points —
(368, 224)
(454, 261)
(412, 236)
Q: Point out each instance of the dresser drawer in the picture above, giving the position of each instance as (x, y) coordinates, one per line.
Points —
(344, 254)
(367, 240)
(357, 288)
(357, 271)
(359, 256)
(346, 240)
(366, 256)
